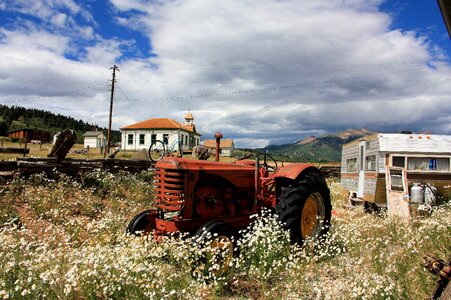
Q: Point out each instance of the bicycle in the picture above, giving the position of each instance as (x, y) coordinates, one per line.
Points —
(158, 149)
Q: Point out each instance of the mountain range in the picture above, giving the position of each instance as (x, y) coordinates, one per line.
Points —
(326, 148)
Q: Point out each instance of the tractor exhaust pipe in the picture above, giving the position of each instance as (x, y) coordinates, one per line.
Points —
(218, 137)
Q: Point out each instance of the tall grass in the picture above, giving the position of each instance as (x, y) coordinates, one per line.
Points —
(63, 239)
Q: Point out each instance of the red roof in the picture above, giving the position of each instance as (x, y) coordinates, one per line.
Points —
(160, 123)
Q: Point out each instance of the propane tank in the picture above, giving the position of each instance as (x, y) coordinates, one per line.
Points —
(416, 194)
(430, 194)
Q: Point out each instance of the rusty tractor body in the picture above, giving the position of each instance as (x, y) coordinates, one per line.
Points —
(195, 196)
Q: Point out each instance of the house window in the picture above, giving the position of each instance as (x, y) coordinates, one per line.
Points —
(142, 139)
(371, 163)
(153, 138)
(130, 139)
(351, 164)
(166, 139)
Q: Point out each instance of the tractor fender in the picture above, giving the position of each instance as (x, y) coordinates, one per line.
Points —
(293, 171)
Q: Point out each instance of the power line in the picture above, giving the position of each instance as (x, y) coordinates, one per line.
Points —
(261, 65)
(61, 93)
(128, 99)
(286, 86)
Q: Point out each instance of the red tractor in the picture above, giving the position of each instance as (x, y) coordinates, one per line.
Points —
(200, 197)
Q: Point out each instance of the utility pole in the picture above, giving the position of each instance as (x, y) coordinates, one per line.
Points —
(107, 149)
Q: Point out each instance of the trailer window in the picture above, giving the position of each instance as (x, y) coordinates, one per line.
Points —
(399, 161)
(371, 163)
(351, 164)
(428, 164)
(396, 180)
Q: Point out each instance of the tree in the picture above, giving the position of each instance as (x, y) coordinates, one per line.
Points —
(3, 128)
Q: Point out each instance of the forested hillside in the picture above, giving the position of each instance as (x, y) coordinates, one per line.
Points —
(16, 117)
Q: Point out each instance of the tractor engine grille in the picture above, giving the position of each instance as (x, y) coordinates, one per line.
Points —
(170, 189)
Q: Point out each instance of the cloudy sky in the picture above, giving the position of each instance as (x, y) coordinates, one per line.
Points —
(260, 71)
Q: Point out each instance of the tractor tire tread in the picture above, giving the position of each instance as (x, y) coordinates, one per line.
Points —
(292, 199)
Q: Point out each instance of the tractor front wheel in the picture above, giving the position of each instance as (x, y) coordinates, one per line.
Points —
(305, 208)
(141, 223)
(217, 243)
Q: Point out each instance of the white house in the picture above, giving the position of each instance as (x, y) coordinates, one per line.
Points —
(94, 139)
(226, 146)
(140, 136)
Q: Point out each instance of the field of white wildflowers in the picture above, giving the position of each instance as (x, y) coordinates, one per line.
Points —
(65, 239)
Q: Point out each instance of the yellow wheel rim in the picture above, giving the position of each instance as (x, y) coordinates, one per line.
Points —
(222, 246)
(309, 217)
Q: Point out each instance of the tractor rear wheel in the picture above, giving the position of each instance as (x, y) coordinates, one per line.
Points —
(140, 224)
(217, 240)
(305, 208)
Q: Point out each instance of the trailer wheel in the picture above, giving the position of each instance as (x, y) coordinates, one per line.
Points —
(370, 207)
(217, 241)
(140, 224)
(305, 208)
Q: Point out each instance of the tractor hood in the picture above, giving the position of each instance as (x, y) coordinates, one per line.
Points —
(193, 164)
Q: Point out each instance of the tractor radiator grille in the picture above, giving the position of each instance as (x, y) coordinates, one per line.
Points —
(170, 189)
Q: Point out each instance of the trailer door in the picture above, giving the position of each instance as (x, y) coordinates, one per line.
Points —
(361, 187)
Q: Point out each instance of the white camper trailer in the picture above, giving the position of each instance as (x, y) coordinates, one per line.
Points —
(411, 158)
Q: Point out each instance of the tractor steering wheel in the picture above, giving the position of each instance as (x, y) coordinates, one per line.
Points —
(266, 156)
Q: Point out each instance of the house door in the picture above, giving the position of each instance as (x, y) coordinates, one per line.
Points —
(361, 187)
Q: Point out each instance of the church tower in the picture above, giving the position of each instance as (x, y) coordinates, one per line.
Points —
(189, 119)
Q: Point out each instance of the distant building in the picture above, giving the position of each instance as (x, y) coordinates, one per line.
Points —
(141, 135)
(30, 134)
(226, 147)
(94, 139)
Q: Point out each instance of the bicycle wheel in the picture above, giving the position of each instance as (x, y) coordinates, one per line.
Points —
(156, 151)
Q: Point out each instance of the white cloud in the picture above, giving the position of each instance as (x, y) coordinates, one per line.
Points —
(42, 9)
(260, 71)
(59, 20)
(56, 15)
(131, 4)
(104, 53)
(346, 63)
(33, 43)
